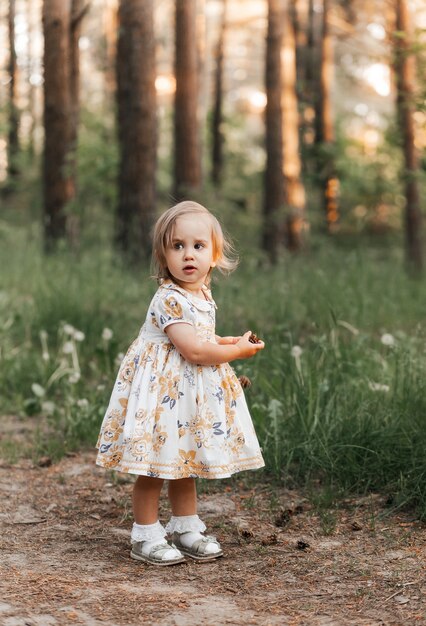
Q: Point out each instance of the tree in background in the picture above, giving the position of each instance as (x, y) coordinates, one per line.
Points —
(13, 136)
(274, 188)
(324, 136)
(31, 88)
(405, 78)
(187, 152)
(137, 127)
(217, 117)
(78, 10)
(294, 192)
(110, 31)
(61, 24)
(57, 181)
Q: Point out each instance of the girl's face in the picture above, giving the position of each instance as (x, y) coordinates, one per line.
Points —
(189, 256)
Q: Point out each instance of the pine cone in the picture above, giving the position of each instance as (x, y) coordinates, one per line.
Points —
(254, 338)
(245, 382)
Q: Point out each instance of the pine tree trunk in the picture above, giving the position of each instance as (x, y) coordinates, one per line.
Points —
(187, 156)
(405, 80)
(274, 188)
(294, 192)
(13, 137)
(31, 89)
(58, 186)
(298, 17)
(78, 10)
(110, 31)
(217, 118)
(311, 51)
(137, 127)
(203, 60)
(325, 125)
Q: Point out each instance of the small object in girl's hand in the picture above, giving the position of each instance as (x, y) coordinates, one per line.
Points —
(254, 338)
(245, 382)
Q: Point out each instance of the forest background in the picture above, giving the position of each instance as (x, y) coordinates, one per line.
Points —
(302, 126)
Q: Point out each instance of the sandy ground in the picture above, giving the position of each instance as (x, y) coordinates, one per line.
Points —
(64, 540)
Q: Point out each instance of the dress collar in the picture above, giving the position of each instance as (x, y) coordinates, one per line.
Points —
(199, 303)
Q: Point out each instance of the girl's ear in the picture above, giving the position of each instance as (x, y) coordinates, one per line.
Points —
(213, 264)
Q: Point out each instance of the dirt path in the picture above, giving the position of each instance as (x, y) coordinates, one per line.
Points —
(64, 533)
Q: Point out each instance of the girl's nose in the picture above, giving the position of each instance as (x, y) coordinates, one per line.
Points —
(188, 254)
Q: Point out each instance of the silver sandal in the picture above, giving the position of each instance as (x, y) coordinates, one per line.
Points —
(198, 549)
(155, 556)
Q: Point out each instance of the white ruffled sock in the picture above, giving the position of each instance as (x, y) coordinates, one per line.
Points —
(152, 535)
(190, 529)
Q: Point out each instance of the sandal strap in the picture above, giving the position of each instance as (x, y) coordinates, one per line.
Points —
(157, 552)
(199, 546)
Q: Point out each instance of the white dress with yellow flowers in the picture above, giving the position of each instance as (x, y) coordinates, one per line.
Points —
(169, 418)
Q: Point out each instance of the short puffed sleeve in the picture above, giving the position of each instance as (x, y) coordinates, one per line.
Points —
(171, 307)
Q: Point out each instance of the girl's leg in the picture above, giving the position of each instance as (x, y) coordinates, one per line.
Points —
(185, 526)
(146, 496)
(148, 535)
(183, 496)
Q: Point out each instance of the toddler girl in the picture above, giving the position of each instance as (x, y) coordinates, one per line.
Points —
(177, 410)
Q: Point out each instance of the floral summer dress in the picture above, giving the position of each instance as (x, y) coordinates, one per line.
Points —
(169, 418)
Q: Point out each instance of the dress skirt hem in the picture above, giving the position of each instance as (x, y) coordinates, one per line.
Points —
(176, 472)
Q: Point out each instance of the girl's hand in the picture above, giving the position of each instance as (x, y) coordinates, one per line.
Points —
(247, 348)
(223, 341)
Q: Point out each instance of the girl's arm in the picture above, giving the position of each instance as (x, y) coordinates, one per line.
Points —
(226, 340)
(194, 350)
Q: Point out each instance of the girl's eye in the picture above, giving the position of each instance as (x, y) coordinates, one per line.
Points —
(198, 246)
(177, 246)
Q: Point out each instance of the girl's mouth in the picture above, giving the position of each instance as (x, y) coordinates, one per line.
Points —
(189, 269)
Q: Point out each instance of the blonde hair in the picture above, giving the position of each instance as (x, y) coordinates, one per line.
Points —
(223, 252)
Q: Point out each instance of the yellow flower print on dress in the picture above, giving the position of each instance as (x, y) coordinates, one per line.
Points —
(126, 373)
(113, 459)
(140, 446)
(154, 320)
(160, 438)
(231, 390)
(200, 430)
(236, 441)
(159, 410)
(141, 415)
(169, 389)
(173, 308)
(187, 458)
(123, 403)
(181, 429)
(113, 426)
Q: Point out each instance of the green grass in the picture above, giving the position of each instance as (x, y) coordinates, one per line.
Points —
(349, 411)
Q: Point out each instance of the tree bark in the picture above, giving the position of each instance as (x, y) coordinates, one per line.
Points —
(58, 185)
(78, 10)
(110, 30)
(187, 156)
(405, 80)
(311, 50)
(294, 192)
(217, 118)
(203, 62)
(31, 89)
(299, 18)
(274, 187)
(324, 137)
(137, 127)
(13, 132)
